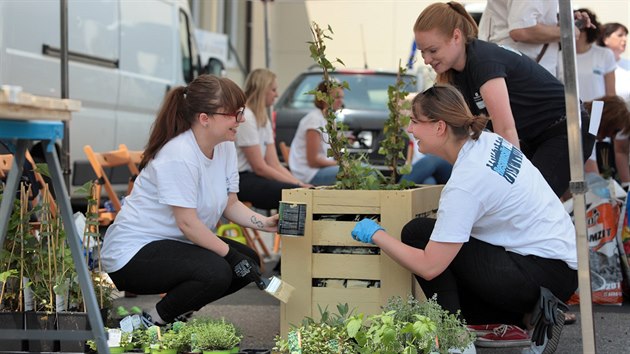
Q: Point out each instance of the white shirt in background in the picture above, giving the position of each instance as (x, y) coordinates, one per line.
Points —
(250, 134)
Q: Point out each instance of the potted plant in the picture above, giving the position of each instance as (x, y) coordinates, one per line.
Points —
(331, 213)
(12, 273)
(212, 336)
(450, 331)
(326, 336)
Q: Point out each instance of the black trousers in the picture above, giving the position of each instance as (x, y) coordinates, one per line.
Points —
(549, 152)
(263, 193)
(487, 283)
(191, 276)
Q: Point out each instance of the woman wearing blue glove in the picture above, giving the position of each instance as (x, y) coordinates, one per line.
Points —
(501, 232)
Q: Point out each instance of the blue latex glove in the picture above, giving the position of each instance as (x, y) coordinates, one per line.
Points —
(365, 229)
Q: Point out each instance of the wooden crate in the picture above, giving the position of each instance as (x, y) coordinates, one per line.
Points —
(300, 265)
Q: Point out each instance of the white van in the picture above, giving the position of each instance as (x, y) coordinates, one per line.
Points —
(124, 55)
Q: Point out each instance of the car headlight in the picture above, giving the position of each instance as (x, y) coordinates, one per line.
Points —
(362, 140)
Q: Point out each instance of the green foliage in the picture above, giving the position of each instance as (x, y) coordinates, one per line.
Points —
(209, 334)
(394, 144)
(388, 334)
(328, 336)
(354, 171)
(450, 330)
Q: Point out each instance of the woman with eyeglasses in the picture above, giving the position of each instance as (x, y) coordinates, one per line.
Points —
(262, 175)
(525, 103)
(162, 239)
(500, 235)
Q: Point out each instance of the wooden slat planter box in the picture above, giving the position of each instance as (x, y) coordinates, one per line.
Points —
(302, 268)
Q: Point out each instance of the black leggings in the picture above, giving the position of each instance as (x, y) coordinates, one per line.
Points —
(263, 193)
(191, 276)
(487, 283)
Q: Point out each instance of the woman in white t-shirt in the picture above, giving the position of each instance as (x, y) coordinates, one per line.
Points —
(615, 37)
(162, 239)
(308, 158)
(501, 233)
(262, 175)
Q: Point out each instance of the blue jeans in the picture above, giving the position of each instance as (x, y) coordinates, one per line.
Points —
(430, 166)
(326, 176)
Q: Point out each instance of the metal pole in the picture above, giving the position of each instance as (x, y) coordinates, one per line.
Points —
(578, 185)
(267, 40)
(63, 58)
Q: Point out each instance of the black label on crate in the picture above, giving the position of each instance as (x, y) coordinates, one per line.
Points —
(292, 219)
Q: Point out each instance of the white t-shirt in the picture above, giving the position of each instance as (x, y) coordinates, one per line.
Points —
(297, 156)
(502, 16)
(496, 195)
(592, 65)
(622, 80)
(250, 134)
(179, 175)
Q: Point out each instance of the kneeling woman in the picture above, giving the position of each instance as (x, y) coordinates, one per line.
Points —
(162, 240)
(501, 232)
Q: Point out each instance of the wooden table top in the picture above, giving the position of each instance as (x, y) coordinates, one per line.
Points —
(17, 105)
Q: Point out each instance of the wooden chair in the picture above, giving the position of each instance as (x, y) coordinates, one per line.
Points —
(99, 161)
(135, 156)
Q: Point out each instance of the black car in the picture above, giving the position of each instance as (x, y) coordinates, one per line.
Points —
(365, 107)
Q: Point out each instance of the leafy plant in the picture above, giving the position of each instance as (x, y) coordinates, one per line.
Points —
(326, 336)
(394, 145)
(209, 334)
(354, 171)
(450, 331)
(388, 334)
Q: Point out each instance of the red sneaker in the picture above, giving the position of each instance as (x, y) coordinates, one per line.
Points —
(504, 336)
(483, 329)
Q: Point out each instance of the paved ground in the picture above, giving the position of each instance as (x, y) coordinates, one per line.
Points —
(258, 315)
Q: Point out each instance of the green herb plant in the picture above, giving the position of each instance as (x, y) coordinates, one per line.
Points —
(387, 334)
(326, 336)
(450, 331)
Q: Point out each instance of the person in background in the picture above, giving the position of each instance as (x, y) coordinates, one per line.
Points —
(308, 158)
(615, 127)
(595, 64)
(615, 37)
(501, 238)
(162, 239)
(262, 175)
(531, 27)
(525, 103)
(426, 168)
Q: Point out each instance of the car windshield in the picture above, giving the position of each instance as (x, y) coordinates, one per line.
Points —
(367, 91)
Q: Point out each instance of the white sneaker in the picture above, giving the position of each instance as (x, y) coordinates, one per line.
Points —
(535, 349)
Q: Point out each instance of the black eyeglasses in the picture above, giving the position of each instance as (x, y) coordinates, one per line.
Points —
(239, 115)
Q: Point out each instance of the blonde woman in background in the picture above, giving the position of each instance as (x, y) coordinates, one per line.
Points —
(262, 176)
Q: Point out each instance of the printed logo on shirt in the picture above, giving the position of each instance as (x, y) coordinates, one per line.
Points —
(479, 101)
(598, 71)
(505, 160)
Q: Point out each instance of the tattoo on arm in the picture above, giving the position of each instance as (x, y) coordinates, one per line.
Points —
(259, 224)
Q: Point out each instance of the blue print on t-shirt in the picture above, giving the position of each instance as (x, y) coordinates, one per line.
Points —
(505, 160)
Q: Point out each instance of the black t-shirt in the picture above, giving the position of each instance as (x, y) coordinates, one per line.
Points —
(536, 96)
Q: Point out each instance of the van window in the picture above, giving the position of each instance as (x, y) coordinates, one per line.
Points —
(190, 57)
